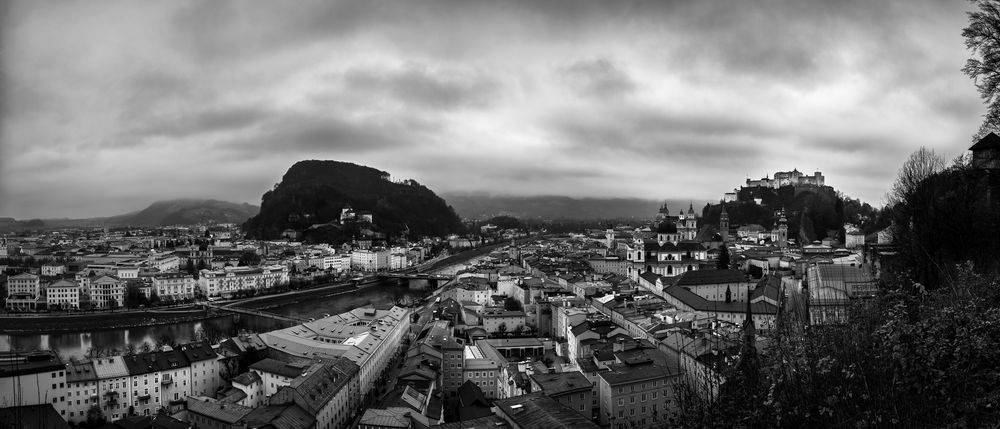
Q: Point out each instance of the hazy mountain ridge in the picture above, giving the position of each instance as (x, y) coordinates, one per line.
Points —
(191, 211)
(483, 206)
(186, 211)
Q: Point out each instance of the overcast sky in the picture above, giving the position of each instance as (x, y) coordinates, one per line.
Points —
(108, 106)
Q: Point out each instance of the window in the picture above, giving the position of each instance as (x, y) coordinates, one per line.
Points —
(621, 413)
(643, 397)
(621, 401)
(654, 394)
(631, 412)
(643, 410)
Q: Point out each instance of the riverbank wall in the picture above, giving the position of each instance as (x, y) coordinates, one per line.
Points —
(35, 324)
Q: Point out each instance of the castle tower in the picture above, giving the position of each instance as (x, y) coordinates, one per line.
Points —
(782, 230)
(724, 224)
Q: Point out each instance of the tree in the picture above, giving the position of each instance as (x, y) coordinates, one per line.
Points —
(249, 258)
(190, 267)
(723, 262)
(502, 329)
(134, 296)
(95, 417)
(982, 37)
(920, 165)
(511, 304)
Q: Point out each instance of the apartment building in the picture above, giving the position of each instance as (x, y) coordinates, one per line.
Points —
(33, 378)
(231, 279)
(366, 336)
(23, 291)
(636, 396)
(174, 286)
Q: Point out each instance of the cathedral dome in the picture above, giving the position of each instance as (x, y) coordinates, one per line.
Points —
(666, 227)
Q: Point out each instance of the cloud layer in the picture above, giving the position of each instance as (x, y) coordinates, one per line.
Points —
(109, 105)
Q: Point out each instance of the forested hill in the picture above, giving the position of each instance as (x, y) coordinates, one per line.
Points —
(813, 212)
(314, 192)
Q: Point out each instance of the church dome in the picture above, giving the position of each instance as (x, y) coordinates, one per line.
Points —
(666, 227)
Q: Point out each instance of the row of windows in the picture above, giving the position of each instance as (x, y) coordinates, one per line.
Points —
(642, 410)
(642, 386)
(621, 401)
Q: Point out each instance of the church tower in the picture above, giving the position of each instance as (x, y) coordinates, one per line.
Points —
(609, 237)
(782, 230)
(691, 223)
(724, 224)
(664, 212)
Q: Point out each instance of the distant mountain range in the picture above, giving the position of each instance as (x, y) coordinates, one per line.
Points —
(160, 213)
(483, 206)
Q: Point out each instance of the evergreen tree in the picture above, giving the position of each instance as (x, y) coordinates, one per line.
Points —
(724, 260)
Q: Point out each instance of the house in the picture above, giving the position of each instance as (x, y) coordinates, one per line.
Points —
(23, 291)
(832, 288)
(640, 396)
(328, 390)
(107, 292)
(33, 378)
(64, 294)
(986, 152)
(571, 389)
(205, 371)
(39, 416)
(207, 413)
(471, 402)
(536, 410)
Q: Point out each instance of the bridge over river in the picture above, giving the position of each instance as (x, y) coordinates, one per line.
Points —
(259, 313)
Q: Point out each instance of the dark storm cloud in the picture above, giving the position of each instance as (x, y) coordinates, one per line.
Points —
(338, 136)
(219, 31)
(598, 78)
(204, 121)
(424, 87)
(661, 135)
(525, 96)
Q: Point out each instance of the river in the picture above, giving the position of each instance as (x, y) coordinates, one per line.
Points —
(77, 344)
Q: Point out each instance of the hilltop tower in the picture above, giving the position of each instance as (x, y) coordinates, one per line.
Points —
(724, 224)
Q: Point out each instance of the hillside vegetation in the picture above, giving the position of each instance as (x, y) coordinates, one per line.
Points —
(813, 212)
(314, 192)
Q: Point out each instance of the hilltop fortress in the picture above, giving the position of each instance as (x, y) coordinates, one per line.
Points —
(788, 178)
